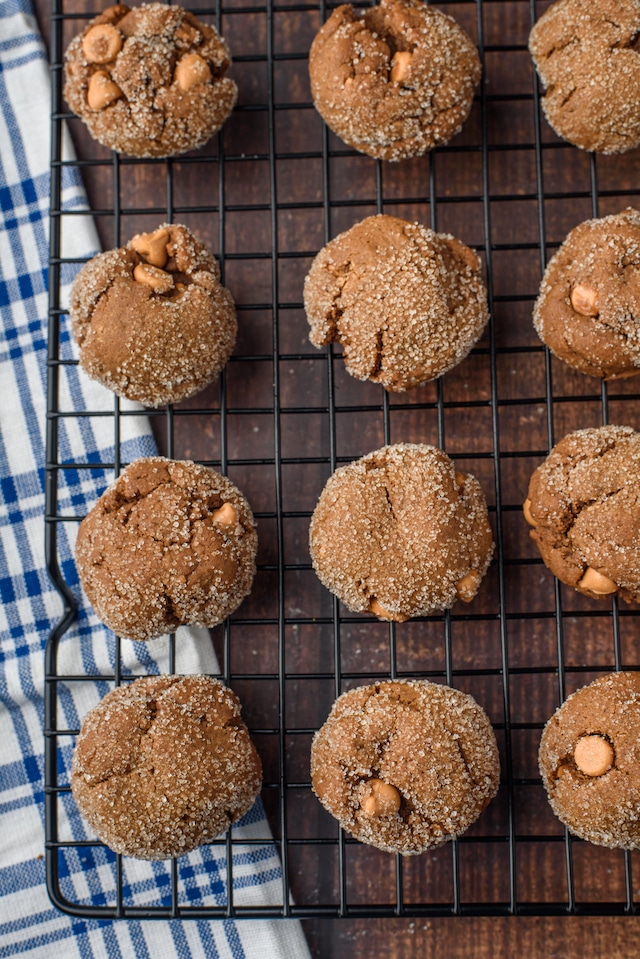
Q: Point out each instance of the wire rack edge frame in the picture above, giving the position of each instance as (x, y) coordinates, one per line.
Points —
(456, 907)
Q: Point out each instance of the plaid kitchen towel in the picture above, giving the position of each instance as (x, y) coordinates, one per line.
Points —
(29, 925)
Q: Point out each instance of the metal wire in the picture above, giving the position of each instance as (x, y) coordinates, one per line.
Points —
(329, 873)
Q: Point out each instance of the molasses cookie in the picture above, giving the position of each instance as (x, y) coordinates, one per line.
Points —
(588, 310)
(150, 81)
(163, 765)
(405, 765)
(394, 80)
(586, 53)
(170, 543)
(152, 320)
(405, 303)
(583, 506)
(590, 761)
(400, 533)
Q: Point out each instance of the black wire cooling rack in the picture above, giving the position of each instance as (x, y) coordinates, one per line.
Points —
(267, 194)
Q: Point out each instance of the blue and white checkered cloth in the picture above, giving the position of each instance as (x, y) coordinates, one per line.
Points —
(29, 925)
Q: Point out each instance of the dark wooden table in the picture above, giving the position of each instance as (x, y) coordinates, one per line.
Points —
(266, 195)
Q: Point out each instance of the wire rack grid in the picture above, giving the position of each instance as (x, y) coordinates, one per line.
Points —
(272, 188)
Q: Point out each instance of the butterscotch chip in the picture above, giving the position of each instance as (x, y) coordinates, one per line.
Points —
(596, 582)
(163, 765)
(586, 54)
(584, 502)
(152, 556)
(393, 80)
(394, 534)
(102, 91)
(150, 334)
(590, 761)
(171, 70)
(405, 765)
(407, 304)
(192, 70)
(101, 43)
(588, 310)
(593, 755)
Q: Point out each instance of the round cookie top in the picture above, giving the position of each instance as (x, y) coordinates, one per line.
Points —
(164, 764)
(583, 505)
(405, 765)
(588, 310)
(405, 303)
(150, 81)
(590, 761)
(394, 80)
(588, 60)
(170, 543)
(152, 320)
(399, 533)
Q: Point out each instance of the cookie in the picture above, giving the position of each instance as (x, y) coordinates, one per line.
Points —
(583, 505)
(170, 543)
(590, 761)
(164, 764)
(405, 765)
(587, 56)
(151, 81)
(151, 318)
(405, 303)
(588, 310)
(400, 533)
(394, 80)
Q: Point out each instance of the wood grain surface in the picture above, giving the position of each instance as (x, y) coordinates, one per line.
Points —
(266, 196)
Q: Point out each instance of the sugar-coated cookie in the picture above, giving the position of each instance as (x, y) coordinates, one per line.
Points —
(393, 80)
(405, 303)
(400, 533)
(588, 310)
(150, 81)
(405, 765)
(164, 764)
(170, 543)
(152, 320)
(586, 53)
(590, 761)
(583, 505)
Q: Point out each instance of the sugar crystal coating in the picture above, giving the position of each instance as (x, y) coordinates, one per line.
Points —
(393, 80)
(398, 528)
(586, 53)
(407, 304)
(155, 115)
(603, 809)
(164, 764)
(152, 554)
(431, 743)
(585, 507)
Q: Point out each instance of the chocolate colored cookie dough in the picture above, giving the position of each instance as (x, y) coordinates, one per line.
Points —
(394, 80)
(405, 765)
(400, 533)
(163, 765)
(170, 543)
(588, 310)
(590, 761)
(583, 505)
(150, 81)
(405, 303)
(588, 58)
(151, 318)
